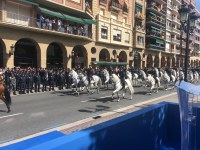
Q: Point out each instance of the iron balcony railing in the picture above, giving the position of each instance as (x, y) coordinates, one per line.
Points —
(157, 9)
(103, 1)
(155, 47)
(116, 5)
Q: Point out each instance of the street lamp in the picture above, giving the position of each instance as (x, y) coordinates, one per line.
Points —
(188, 20)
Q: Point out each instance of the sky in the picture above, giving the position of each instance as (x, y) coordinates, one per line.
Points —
(198, 4)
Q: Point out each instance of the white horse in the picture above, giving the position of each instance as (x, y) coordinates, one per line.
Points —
(191, 76)
(152, 83)
(196, 77)
(118, 86)
(135, 78)
(130, 77)
(165, 79)
(107, 76)
(76, 81)
(143, 77)
(96, 82)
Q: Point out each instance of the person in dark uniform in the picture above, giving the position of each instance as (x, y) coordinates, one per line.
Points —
(89, 73)
(51, 80)
(12, 81)
(37, 81)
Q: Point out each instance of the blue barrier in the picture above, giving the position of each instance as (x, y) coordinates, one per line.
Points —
(154, 128)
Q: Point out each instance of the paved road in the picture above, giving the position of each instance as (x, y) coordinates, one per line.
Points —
(38, 112)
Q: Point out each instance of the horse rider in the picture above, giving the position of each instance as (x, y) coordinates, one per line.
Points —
(155, 74)
(89, 73)
(122, 75)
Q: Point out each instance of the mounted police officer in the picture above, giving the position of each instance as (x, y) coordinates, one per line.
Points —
(122, 76)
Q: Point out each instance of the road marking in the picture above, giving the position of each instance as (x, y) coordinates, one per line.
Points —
(1, 103)
(54, 126)
(11, 115)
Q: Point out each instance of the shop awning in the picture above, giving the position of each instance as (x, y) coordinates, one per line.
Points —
(73, 19)
(105, 63)
(29, 2)
(139, 6)
(89, 21)
(51, 13)
(159, 41)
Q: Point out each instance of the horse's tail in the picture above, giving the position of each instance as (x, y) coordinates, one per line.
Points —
(7, 96)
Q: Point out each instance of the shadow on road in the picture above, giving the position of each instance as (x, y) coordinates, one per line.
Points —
(96, 109)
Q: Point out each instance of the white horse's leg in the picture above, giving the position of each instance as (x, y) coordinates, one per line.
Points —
(118, 97)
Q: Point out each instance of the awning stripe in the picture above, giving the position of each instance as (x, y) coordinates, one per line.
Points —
(73, 19)
(29, 2)
(90, 21)
(52, 13)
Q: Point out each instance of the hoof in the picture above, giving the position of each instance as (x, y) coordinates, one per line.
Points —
(118, 100)
(123, 95)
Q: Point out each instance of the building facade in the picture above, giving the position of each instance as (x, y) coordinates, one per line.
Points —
(71, 33)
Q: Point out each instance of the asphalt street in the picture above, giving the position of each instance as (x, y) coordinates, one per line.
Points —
(38, 112)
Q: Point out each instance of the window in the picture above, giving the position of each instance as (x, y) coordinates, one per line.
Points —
(114, 16)
(104, 32)
(127, 37)
(125, 20)
(116, 35)
(102, 12)
(140, 40)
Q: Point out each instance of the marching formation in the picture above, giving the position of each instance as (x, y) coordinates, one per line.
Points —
(28, 80)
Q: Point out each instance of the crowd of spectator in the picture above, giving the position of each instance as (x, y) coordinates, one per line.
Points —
(56, 24)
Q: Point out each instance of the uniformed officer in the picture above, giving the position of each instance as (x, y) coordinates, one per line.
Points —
(12, 82)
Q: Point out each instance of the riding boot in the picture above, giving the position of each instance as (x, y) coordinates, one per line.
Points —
(8, 106)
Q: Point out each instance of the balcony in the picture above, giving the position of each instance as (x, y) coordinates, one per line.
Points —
(34, 24)
(155, 34)
(156, 22)
(179, 1)
(169, 5)
(141, 2)
(103, 18)
(125, 10)
(176, 31)
(169, 28)
(103, 2)
(140, 28)
(175, 10)
(139, 16)
(156, 9)
(174, 40)
(155, 47)
(168, 38)
(115, 6)
(169, 17)
(176, 20)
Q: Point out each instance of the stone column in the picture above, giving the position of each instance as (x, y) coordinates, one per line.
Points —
(42, 59)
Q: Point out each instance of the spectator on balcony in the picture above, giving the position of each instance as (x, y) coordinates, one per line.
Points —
(59, 25)
(42, 21)
(54, 24)
(47, 22)
(50, 24)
